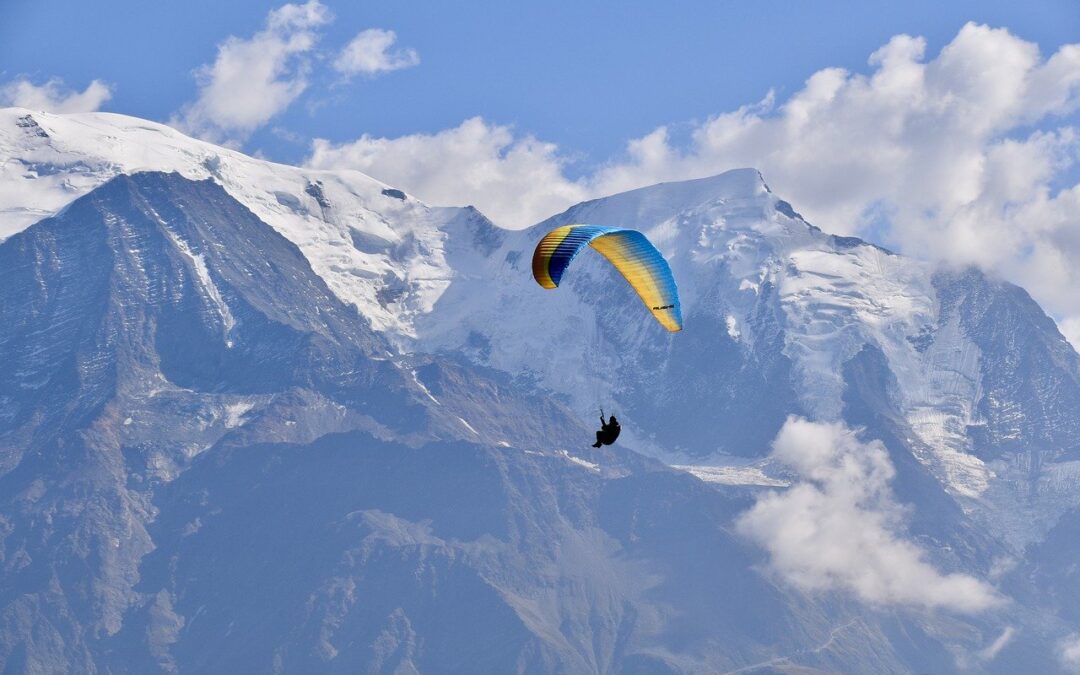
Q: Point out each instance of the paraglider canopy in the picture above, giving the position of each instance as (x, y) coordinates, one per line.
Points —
(632, 254)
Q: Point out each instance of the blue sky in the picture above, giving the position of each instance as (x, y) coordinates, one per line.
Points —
(585, 75)
(948, 131)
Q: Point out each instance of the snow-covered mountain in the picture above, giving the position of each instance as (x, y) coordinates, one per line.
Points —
(375, 246)
(983, 387)
(262, 417)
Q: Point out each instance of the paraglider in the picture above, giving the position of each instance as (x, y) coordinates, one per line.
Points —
(632, 254)
(636, 259)
(609, 430)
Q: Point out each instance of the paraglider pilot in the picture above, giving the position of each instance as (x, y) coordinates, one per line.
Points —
(609, 430)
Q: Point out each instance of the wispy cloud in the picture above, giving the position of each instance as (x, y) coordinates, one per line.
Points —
(371, 52)
(1000, 642)
(54, 96)
(839, 527)
(254, 79)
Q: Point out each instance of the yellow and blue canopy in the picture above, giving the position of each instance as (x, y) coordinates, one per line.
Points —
(629, 251)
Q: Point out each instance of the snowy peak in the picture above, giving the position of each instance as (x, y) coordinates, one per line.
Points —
(376, 247)
(732, 244)
(664, 200)
(673, 214)
(779, 319)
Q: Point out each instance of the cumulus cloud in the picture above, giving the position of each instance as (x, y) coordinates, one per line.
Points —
(475, 163)
(839, 528)
(957, 157)
(53, 96)
(926, 139)
(371, 52)
(254, 79)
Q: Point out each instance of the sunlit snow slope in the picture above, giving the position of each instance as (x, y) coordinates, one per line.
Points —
(376, 247)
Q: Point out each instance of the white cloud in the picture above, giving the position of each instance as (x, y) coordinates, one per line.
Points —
(254, 79)
(1068, 650)
(53, 96)
(927, 139)
(840, 528)
(1070, 328)
(370, 53)
(509, 179)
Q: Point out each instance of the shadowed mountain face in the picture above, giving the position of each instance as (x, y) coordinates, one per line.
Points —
(209, 462)
(351, 553)
(156, 278)
(1031, 376)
